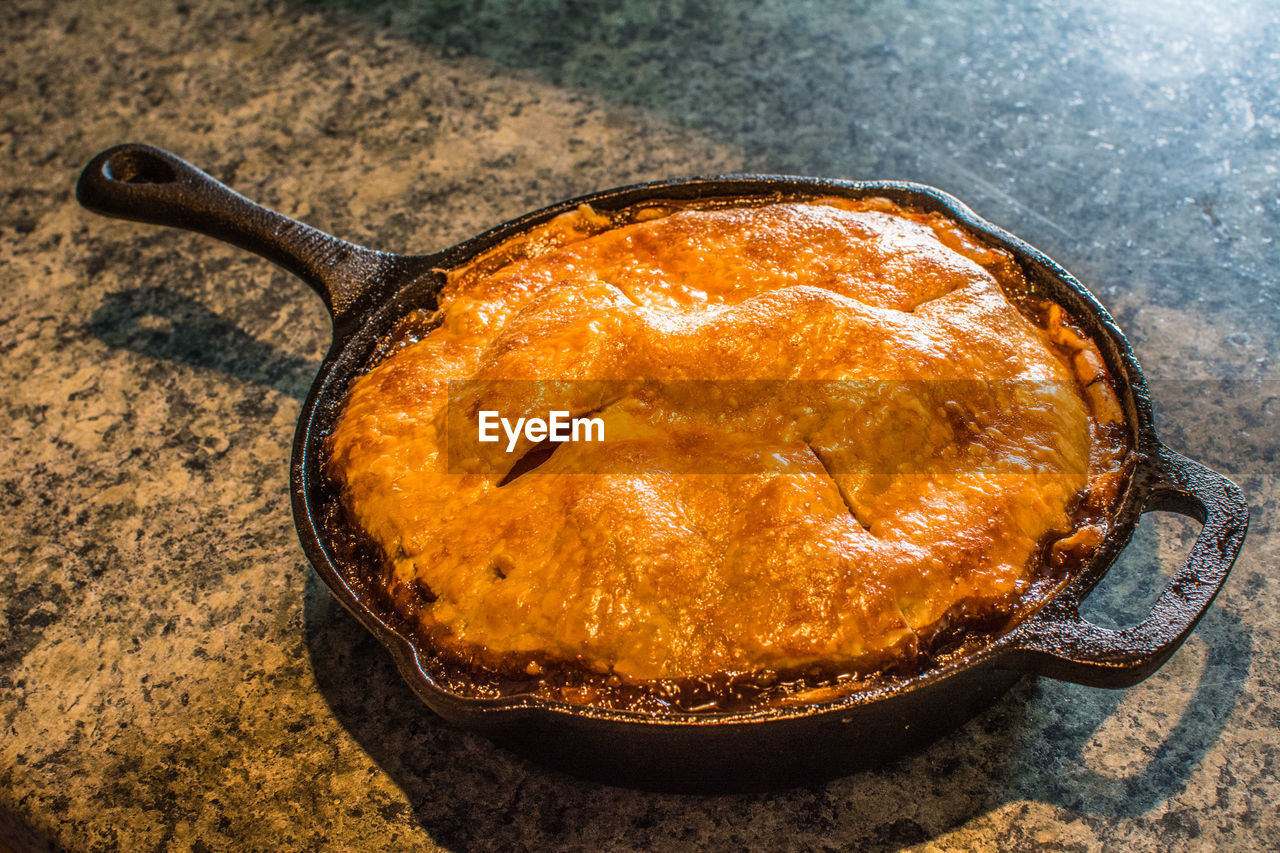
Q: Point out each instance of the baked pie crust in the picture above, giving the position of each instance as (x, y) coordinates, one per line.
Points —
(838, 435)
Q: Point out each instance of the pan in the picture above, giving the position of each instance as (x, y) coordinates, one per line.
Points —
(368, 291)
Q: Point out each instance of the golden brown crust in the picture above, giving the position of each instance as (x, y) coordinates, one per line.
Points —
(830, 435)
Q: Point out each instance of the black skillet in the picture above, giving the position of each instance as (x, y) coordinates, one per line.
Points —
(367, 291)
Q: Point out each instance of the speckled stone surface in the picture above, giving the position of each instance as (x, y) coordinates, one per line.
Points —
(173, 676)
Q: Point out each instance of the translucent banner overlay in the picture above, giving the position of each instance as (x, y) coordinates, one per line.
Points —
(509, 428)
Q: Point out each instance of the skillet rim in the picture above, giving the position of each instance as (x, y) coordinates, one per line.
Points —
(332, 381)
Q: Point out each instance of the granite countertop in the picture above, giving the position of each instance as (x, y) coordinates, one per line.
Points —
(172, 673)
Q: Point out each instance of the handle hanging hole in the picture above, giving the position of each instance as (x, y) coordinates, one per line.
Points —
(138, 167)
(1129, 590)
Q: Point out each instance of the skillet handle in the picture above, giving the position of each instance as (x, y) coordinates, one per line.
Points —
(148, 184)
(1062, 645)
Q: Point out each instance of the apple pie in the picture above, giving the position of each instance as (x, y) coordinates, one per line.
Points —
(835, 435)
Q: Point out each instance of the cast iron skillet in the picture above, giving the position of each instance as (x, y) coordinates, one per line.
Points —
(367, 291)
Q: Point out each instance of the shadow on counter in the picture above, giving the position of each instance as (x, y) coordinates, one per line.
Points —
(1077, 748)
(17, 836)
(162, 324)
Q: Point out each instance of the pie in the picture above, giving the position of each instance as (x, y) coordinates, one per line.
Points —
(836, 435)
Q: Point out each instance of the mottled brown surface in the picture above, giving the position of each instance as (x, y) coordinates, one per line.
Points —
(172, 676)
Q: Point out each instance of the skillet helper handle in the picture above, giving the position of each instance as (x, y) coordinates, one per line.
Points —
(1065, 646)
(148, 184)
